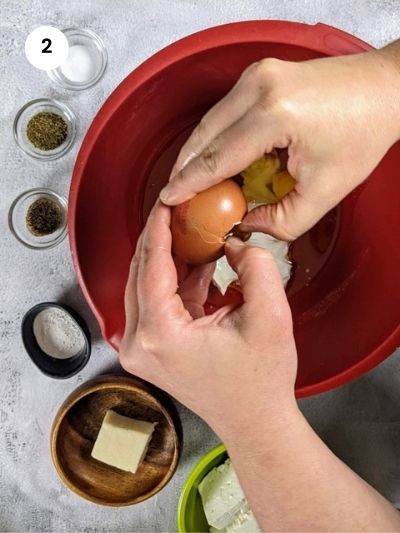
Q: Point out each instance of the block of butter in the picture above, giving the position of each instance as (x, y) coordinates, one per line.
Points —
(122, 442)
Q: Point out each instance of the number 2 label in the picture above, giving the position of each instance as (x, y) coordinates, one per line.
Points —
(46, 49)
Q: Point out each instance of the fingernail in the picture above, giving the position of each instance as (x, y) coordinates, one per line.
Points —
(234, 241)
(245, 228)
(165, 194)
(239, 233)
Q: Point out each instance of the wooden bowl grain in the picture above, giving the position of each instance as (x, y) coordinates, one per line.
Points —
(78, 422)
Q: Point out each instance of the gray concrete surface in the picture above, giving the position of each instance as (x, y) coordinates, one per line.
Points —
(361, 421)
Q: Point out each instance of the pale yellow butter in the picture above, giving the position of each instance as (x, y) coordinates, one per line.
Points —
(122, 442)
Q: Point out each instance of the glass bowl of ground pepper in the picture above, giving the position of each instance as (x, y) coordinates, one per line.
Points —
(38, 218)
(45, 128)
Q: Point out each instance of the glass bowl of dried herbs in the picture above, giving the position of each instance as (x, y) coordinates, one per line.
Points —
(38, 218)
(45, 128)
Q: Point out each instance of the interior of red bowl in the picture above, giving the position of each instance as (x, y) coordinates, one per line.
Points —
(345, 292)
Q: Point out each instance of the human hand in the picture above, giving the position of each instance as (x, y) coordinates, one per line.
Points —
(337, 117)
(223, 366)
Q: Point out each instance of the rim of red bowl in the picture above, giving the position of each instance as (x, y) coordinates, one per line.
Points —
(320, 37)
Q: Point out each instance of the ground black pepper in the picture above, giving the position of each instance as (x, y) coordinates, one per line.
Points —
(43, 217)
(47, 130)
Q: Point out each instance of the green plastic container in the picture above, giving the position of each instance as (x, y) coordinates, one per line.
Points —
(191, 517)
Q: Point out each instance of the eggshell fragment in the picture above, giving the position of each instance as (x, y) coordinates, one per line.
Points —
(200, 225)
(224, 275)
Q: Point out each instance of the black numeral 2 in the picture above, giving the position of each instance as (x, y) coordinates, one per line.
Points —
(46, 49)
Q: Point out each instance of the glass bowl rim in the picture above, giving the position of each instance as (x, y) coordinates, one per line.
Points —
(76, 86)
(26, 194)
(66, 113)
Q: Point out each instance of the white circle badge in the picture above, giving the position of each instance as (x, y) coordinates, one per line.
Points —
(46, 47)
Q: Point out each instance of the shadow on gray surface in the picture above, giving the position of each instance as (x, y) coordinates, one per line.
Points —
(73, 297)
(198, 437)
(360, 422)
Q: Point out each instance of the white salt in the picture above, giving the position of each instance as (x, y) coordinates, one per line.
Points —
(81, 64)
(57, 333)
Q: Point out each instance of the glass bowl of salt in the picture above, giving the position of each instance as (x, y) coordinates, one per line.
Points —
(57, 339)
(85, 63)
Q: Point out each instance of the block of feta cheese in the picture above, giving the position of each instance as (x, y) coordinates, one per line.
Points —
(122, 442)
(243, 522)
(221, 495)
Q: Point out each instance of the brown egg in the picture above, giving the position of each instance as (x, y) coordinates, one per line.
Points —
(199, 225)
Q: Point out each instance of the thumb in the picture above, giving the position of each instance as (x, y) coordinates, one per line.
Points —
(258, 275)
(288, 219)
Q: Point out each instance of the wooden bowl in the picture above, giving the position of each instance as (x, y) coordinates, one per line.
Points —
(78, 422)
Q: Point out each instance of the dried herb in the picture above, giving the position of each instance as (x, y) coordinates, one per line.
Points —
(47, 130)
(43, 217)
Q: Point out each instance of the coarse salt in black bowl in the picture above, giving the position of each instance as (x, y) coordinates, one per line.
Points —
(57, 339)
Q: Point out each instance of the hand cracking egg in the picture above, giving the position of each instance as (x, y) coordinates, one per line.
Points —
(265, 181)
(200, 225)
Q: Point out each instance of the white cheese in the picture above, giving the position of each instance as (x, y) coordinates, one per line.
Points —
(221, 495)
(224, 502)
(243, 522)
(122, 442)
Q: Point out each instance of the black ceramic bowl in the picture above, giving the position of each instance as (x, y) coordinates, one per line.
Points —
(55, 368)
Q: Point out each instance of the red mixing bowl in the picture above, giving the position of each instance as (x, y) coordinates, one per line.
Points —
(345, 293)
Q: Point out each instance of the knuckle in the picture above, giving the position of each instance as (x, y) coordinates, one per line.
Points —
(210, 159)
(200, 132)
(183, 176)
(265, 68)
(265, 75)
(279, 105)
(135, 259)
(284, 107)
(180, 176)
(146, 251)
(146, 341)
(271, 69)
(251, 70)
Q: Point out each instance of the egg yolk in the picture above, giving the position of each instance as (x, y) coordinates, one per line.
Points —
(282, 184)
(264, 182)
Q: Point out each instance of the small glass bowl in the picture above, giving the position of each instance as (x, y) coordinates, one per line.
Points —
(33, 108)
(98, 52)
(17, 219)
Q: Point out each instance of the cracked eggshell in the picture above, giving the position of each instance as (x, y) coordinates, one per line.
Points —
(199, 225)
